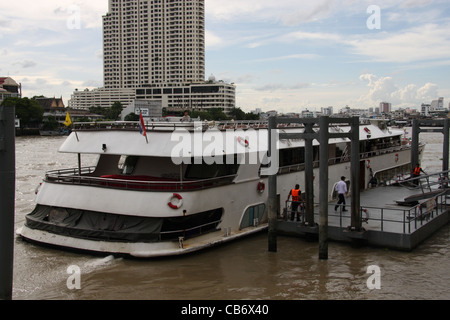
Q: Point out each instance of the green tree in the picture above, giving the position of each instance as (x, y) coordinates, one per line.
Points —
(50, 123)
(237, 114)
(132, 117)
(115, 111)
(217, 114)
(29, 111)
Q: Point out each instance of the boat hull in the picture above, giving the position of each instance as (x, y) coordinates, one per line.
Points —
(137, 249)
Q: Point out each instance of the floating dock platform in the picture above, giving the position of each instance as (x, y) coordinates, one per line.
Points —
(398, 217)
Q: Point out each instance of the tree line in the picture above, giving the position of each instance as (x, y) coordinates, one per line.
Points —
(31, 113)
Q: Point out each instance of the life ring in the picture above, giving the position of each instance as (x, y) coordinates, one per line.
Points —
(261, 187)
(396, 158)
(367, 130)
(180, 201)
(368, 164)
(243, 142)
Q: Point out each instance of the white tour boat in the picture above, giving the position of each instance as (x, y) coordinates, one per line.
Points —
(185, 186)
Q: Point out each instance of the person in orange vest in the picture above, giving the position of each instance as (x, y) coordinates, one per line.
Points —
(416, 173)
(296, 194)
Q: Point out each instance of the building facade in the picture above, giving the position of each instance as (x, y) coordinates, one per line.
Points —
(194, 96)
(385, 107)
(9, 88)
(101, 97)
(153, 42)
(157, 49)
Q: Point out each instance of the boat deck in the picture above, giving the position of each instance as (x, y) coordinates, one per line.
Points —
(398, 217)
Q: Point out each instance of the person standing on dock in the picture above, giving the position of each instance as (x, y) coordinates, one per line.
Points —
(416, 173)
(296, 199)
(341, 189)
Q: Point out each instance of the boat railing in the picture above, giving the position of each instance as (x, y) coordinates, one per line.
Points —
(170, 125)
(71, 172)
(336, 160)
(72, 176)
(161, 125)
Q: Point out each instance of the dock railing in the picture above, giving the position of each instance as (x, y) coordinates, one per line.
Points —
(425, 183)
(399, 219)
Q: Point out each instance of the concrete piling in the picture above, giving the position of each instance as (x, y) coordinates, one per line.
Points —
(7, 198)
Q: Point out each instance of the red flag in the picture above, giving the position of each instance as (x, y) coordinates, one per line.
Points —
(142, 129)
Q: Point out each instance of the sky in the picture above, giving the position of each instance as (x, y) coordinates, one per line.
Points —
(285, 55)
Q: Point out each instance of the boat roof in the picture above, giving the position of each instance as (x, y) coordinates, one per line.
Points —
(190, 140)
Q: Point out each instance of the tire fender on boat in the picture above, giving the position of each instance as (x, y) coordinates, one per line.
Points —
(178, 204)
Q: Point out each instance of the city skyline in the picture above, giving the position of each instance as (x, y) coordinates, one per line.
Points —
(288, 55)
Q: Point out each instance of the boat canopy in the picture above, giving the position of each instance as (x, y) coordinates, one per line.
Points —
(183, 143)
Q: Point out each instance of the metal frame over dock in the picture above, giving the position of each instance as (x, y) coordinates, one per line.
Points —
(407, 214)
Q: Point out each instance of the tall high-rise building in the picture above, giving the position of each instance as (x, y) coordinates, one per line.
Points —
(153, 42)
(385, 107)
(155, 50)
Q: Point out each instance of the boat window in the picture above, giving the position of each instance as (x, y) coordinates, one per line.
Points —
(127, 164)
(210, 171)
(253, 216)
(292, 156)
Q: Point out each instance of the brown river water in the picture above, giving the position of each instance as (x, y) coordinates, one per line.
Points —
(243, 269)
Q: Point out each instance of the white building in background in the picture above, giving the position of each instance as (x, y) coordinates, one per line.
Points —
(156, 49)
(9, 88)
(101, 97)
(425, 109)
(195, 96)
(153, 42)
(437, 105)
(328, 111)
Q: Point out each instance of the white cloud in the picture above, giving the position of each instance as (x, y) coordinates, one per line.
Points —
(425, 42)
(299, 56)
(212, 40)
(288, 12)
(386, 89)
(50, 14)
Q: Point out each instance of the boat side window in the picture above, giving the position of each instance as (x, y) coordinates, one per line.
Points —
(127, 164)
(210, 171)
(292, 156)
(253, 216)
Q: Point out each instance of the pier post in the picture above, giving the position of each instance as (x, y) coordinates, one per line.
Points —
(7, 197)
(272, 201)
(415, 143)
(309, 175)
(445, 157)
(355, 176)
(323, 188)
